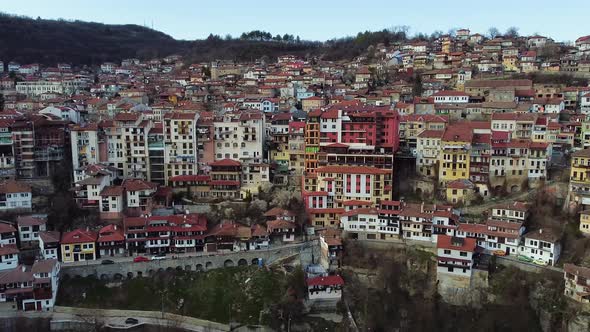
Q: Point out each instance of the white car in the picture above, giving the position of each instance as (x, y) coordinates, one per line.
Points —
(158, 256)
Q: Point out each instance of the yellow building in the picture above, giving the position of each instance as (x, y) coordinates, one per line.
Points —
(585, 222)
(460, 192)
(454, 158)
(78, 245)
(579, 188)
(510, 63)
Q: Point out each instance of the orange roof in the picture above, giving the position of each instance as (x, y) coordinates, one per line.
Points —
(78, 236)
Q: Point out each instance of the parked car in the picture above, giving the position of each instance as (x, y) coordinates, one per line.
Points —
(131, 321)
(107, 261)
(540, 262)
(140, 259)
(499, 253)
(158, 256)
(524, 258)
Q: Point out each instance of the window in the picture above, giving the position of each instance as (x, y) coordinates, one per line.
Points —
(447, 252)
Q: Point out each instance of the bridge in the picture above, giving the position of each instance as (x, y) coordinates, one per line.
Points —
(199, 262)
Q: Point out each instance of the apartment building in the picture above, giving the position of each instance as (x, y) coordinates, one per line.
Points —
(180, 144)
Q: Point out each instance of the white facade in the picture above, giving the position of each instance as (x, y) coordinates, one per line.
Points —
(35, 88)
(539, 250)
(8, 258)
(16, 201)
(84, 148)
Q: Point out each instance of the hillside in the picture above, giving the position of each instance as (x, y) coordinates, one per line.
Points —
(48, 42)
(28, 40)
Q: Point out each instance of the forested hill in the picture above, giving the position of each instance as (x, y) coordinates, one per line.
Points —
(28, 40)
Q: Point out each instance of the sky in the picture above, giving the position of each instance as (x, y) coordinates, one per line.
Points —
(320, 20)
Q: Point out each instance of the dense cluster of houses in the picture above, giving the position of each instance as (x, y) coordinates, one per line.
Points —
(141, 134)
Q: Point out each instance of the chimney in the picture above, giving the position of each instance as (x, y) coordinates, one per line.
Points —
(422, 207)
(541, 231)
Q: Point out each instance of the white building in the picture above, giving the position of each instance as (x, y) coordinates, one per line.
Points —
(180, 144)
(325, 287)
(239, 136)
(15, 195)
(8, 257)
(7, 234)
(85, 150)
(450, 97)
(64, 113)
(29, 228)
(49, 244)
(38, 87)
(542, 246)
(455, 256)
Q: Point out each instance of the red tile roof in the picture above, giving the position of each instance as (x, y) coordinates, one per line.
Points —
(455, 243)
(325, 281)
(225, 162)
(78, 236)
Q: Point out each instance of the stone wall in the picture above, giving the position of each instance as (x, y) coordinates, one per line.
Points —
(121, 270)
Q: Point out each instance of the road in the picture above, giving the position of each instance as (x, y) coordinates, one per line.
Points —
(179, 256)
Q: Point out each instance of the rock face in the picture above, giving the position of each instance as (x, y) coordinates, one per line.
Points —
(464, 291)
(579, 324)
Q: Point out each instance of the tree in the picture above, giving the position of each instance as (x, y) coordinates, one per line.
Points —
(493, 32)
(417, 89)
(511, 32)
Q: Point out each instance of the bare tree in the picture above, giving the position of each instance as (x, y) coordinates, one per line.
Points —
(511, 32)
(493, 32)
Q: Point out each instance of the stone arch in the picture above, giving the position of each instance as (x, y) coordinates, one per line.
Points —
(139, 274)
(255, 261)
(208, 265)
(179, 268)
(498, 189)
(199, 267)
(419, 192)
(151, 272)
(65, 276)
(228, 263)
(118, 276)
(77, 276)
(160, 270)
(104, 277)
(129, 275)
(188, 267)
(242, 262)
(169, 269)
(514, 188)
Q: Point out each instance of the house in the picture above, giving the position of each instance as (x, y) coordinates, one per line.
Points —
(78, 245)
(577, 282)
(45, 284)
(579, 187)
(282, 229)
(325, 287)
(31, 289)
(585, 222)
(460, 191)
(49, 244)
(8, 257)
(7, 234)
(29, 228)
(450, 97)
(542, 245)
(260, 238)
(455, 256)
(331, 249)
(110, 241)
(15, 196)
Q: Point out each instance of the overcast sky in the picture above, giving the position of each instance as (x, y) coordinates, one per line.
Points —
(320, 20)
